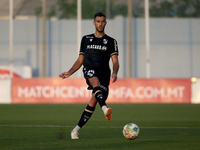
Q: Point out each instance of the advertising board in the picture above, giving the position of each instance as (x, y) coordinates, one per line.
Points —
(74, 90)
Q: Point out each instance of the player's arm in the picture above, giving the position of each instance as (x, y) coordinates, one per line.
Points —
(115, 67)
(74, 68)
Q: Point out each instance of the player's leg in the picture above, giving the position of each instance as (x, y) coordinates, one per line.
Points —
(104, 78)
(101, 96)
(97, 90)
(92, 78)
(87, 113)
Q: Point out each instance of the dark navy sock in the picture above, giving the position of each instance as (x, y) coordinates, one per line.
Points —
(87, 113)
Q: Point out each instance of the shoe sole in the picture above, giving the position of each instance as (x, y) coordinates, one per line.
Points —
(74, 138)
(108, 114)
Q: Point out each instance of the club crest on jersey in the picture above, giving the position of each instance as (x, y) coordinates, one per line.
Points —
(105, 41)
(91, 40)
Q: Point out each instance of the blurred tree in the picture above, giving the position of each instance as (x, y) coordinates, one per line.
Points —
(52, 12)
(118, 10)
(176, 8)
(38, 11)
(187, 8)
(196, 5)
(90, 7)
(65, 10)
(165, 8)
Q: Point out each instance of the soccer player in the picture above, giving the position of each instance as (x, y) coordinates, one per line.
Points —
(95, 52)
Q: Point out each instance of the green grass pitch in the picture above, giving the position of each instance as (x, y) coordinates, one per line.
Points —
(48, 126)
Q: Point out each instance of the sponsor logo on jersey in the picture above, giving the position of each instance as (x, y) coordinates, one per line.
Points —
(99, 47)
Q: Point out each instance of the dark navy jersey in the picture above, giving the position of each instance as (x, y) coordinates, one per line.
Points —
(97, 51)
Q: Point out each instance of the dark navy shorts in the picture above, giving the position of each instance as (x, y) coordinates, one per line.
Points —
(104, 78)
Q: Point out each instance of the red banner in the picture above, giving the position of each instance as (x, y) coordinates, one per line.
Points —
(151, 91)
(56, 90)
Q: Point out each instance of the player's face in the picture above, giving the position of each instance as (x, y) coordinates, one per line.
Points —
(100, 23)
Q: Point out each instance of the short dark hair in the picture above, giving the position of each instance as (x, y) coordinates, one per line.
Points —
(99, 14)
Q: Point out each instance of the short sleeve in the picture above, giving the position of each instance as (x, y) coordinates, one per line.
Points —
(114, 48)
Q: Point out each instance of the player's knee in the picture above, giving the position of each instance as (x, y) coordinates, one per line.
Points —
(98, 93)
(96, 90)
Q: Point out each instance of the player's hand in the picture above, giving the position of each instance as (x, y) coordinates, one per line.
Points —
(114, 77)
(64, 75)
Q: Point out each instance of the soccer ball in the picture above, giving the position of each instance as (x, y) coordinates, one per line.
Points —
(131, 131)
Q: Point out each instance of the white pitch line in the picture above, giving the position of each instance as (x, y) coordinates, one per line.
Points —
(58, 126)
